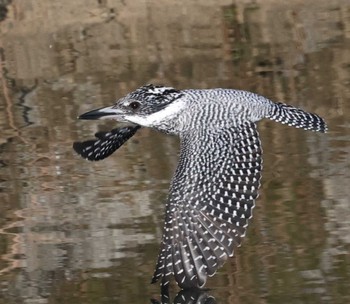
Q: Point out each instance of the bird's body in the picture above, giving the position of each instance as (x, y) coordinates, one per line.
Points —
(215, 185)
(217, 108)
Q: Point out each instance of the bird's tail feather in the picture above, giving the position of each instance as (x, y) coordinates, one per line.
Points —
(297, 118)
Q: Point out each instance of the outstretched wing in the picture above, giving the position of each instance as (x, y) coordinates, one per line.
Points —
(105, 144)
(211, 199)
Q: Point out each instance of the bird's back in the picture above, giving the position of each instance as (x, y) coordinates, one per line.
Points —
(211, 108)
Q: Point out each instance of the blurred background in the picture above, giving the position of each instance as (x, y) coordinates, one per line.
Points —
(72, 231)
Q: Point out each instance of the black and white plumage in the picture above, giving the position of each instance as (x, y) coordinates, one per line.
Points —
(105, 144)
(215, 185)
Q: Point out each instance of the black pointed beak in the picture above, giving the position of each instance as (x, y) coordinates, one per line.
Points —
(101, 113)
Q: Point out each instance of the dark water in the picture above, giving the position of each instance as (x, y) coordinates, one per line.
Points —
(72, 231)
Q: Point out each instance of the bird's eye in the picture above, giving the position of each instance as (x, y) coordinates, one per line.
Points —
(134, 105)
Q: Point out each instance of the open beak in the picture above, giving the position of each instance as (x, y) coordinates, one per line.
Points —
(102, 113)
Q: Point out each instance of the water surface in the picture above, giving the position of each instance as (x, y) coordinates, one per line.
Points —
(72, 231)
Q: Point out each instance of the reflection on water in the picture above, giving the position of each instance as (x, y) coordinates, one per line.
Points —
(192, 296)
(72, 231)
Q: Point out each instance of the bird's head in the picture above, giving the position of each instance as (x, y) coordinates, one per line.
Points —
(148, 106)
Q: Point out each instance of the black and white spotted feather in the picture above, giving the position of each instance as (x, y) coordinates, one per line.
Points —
(216, 182)
(105, 144)
(210, 202)
(296, 117)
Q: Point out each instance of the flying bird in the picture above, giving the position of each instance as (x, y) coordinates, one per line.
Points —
(216, 182)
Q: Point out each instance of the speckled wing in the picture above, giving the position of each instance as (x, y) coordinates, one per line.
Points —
(105, 144)
(211, 199)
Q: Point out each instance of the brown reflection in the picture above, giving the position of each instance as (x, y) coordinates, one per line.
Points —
(71, 230)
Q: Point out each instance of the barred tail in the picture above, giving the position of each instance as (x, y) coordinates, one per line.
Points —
(297, 118)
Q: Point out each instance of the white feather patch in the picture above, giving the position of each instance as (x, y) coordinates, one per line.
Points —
(156, 118)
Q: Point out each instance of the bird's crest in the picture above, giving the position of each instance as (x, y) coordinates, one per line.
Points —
(156, 94)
